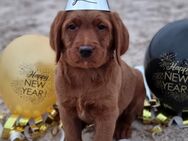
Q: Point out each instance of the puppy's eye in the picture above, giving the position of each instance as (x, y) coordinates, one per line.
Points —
(101, 27)
(72, 26)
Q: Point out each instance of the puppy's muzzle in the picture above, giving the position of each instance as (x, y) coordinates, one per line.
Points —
(85, 51)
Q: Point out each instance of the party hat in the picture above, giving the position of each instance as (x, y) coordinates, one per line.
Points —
(101, 5)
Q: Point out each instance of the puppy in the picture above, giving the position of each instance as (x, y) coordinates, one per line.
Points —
(93, 84)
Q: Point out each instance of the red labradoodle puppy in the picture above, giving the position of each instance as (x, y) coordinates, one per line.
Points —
(93, 84)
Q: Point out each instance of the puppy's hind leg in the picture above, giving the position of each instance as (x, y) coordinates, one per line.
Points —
(123, 126)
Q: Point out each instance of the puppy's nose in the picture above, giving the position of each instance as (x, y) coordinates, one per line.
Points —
(85, 51)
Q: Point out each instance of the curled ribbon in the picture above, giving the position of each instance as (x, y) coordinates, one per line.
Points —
(17, 128)
(156, 114)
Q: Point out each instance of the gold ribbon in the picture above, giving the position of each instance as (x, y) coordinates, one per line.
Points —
(17, 128)
(154, 113)
(9, 126)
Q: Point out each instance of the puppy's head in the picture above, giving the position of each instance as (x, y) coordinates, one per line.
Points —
(88, 39)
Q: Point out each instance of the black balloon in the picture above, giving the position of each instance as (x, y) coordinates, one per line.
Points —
(166, 65)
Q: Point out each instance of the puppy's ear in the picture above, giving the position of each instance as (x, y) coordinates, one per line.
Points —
(120, 36)
(55, 34)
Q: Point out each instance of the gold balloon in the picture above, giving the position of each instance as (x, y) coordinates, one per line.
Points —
(27, 76)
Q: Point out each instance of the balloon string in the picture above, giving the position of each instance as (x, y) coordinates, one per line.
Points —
(148, 92)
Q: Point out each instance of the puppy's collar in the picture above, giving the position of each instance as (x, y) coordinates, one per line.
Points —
(101, 5)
